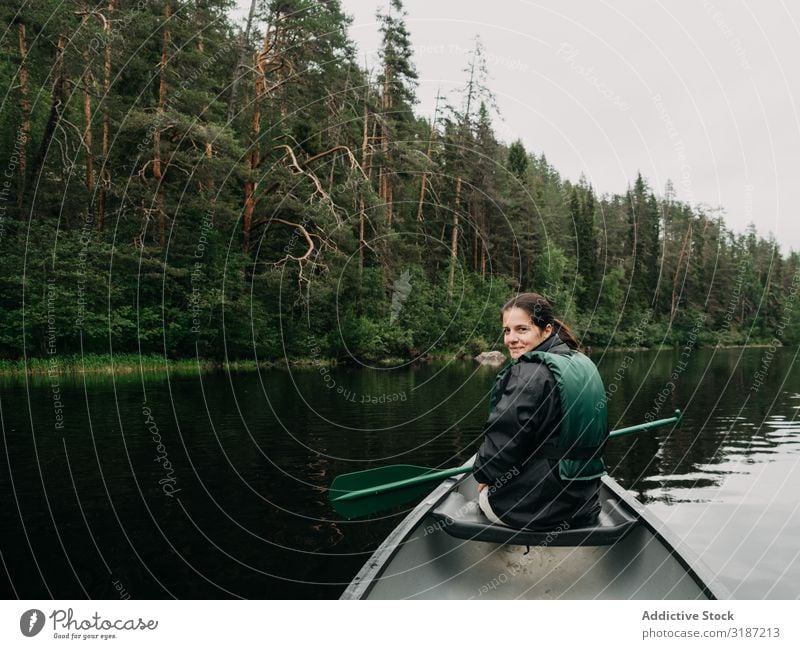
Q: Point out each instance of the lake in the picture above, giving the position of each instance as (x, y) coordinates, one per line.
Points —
(214, 486)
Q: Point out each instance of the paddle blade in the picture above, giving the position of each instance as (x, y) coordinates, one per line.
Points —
(377, 477)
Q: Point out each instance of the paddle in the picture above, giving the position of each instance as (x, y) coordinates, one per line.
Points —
(366, 492)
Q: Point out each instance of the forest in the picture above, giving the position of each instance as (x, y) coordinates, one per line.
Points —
(175, 183)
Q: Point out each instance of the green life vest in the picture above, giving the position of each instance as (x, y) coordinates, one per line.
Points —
(583, 429)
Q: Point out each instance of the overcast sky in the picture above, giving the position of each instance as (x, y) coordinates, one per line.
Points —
(704, 93)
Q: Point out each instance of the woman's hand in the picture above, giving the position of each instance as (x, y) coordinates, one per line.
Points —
(482, 486)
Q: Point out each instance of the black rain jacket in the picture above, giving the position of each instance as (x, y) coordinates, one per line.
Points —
(526, 491)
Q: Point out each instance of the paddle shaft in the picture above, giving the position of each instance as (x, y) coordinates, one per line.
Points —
(447, 473)
(676, 418)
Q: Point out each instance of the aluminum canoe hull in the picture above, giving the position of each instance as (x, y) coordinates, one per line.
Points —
(421, 560)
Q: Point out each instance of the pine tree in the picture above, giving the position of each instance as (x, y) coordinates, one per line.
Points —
(397, 81)
(477, 100)
(125, 110)
(643, 218)
(517, 159)
(586, 243)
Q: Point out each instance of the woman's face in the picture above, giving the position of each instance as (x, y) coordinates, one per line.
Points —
(520, 334)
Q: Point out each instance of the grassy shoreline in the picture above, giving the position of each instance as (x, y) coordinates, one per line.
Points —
(99, 364)
(118, 364)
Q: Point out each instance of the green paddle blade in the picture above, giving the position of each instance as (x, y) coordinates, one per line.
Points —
(366, 492)
(364, 482)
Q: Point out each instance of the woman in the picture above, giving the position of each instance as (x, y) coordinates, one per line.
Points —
(540, 463)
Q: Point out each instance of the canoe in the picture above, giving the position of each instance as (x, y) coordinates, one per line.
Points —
(446, 549)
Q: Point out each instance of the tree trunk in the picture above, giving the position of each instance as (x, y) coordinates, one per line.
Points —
(372, 139)
(209, 147)
(483, 260)
(514, 266)
(385, 184)
(56, 107)
(201, 45)
(360, 240)
(245, 39)
(254, 159)
(269, 60)
(250, 185)
(454, 241)
(87, 112)
(105, 174)
(421, 196)
(365, 160)
(389, 200)
(475, 230)
(365, 137)
(162, 100)
(208, 183)
(423, 184)
(87, 135)
(462, 135)
(25, 111)
(332, 169)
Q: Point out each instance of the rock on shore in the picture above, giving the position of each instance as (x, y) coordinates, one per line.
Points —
(491, 358)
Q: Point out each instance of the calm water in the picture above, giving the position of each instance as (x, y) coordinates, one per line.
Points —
(233, 504)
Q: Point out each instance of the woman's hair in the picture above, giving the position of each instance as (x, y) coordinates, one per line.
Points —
(541, 313)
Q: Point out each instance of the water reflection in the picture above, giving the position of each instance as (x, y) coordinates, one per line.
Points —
(253, 453)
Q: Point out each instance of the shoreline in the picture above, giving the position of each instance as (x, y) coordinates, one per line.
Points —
(121, 364)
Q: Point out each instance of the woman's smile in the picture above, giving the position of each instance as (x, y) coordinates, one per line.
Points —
(520, 334)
